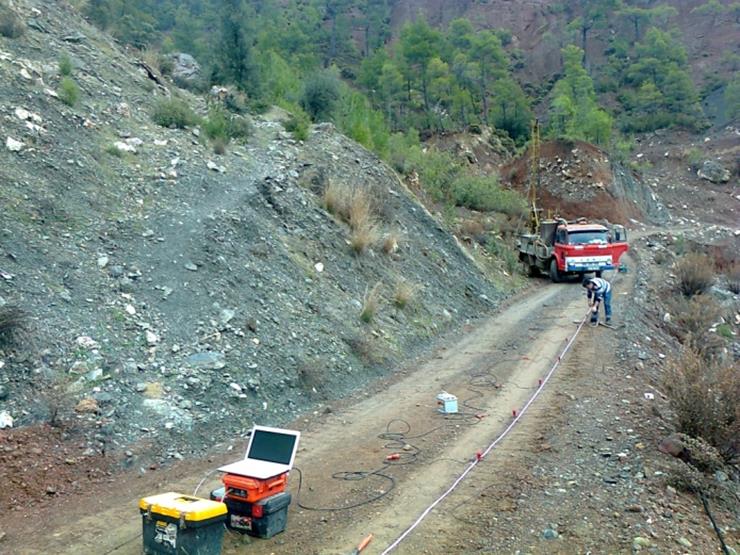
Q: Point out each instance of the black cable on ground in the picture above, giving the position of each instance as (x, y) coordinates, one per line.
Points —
(717, 531)
(399, 442)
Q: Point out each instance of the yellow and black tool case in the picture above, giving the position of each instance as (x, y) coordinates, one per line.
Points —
(177, 524)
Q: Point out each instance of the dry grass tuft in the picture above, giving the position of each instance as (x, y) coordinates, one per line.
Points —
(695, 272)
(362, 238)
(370, 303)
(472, 228)
(360, 210)
(355, 207)
(404, 294)
(312, 376)
(219, 145)
(691, 320)
(367, 349)
(706, 400)
(336, 198)
(391, 241)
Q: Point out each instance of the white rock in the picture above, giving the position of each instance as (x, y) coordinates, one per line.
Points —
(50, 92)
(34, 128)
(13, 145)
(134, 141)
(130, 309)
(103, 261)
(319, 267)
(25, 115)
(236, 387)
(123, 110)
(25, 74)
(160, 142)
(125, 147)
(667, 317)
(215, 167)
(151, 338)
(6, 421)
(87, 342)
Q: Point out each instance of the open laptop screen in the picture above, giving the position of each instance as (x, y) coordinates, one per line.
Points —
(271, 446)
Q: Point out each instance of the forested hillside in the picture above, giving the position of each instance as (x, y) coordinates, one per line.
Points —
(391, 79)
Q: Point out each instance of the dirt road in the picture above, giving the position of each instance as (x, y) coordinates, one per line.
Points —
(493, 369)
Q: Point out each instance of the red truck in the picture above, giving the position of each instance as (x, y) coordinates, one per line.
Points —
(563, 248)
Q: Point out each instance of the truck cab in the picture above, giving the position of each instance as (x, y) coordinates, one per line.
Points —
(584, 247)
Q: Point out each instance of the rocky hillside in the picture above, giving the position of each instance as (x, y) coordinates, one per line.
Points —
(168, 289)
(578, 179)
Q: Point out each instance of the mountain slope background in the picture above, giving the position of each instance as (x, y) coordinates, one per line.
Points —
(317, 207)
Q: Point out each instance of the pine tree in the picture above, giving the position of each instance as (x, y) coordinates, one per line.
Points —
(574, 112)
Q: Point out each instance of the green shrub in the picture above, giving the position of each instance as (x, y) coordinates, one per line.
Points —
(220, 125)
(216, 125)
(174, 113)
(240, 127)
(166, 64)
(69, 92)
(399, 149)
(321, 93)
(113, 150)
(11, 26)
(485, 194)
(298, 125)
(694, 158)
(65, 66)
(725, 330)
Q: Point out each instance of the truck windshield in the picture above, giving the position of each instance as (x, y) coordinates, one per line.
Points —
(586, 237)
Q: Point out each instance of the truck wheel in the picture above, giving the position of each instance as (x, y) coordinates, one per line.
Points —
(532, 270)
(555, 274)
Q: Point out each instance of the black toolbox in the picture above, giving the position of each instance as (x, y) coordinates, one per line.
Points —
(176, 524)
(262, 519)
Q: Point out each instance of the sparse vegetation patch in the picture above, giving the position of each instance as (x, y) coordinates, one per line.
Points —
(695, 273)
(69, 92)
(11, 26)
(370, 304)
(174, 113)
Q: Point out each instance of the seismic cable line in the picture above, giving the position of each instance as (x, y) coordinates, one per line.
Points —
(481, 455)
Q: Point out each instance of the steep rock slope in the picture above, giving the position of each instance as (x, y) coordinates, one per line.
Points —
(578, 179)
(177, 290)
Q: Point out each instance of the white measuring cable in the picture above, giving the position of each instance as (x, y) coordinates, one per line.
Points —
(495, 442)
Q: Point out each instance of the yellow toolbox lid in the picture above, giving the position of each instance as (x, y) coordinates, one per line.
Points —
(177, 505)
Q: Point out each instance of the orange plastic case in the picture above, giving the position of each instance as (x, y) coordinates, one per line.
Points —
(251, 490)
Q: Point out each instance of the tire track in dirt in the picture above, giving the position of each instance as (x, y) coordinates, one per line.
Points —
(512, 350)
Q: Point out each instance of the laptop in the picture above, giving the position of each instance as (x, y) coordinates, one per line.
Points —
(270, 452)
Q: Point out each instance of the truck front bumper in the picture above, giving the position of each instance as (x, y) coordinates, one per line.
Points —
(588, 263)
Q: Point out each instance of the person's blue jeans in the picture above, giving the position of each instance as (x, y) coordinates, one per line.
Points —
(606, 300)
